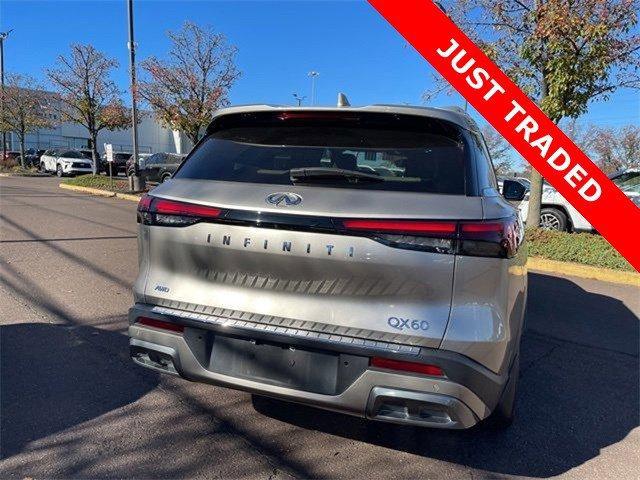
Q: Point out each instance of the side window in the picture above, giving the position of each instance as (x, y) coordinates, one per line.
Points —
(486, 162)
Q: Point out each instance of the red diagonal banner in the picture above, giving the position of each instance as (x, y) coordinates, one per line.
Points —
(519, 120)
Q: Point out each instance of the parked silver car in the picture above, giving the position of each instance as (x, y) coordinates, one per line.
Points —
(359, 260)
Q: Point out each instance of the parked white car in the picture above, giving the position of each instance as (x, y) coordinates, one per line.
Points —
(65, 162)
(558, 214)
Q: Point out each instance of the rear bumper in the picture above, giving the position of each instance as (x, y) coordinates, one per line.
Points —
(467, 394)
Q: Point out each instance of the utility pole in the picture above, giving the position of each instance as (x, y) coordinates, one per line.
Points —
(3, 35)
(299, 98)
(137, 182)
(313, 74)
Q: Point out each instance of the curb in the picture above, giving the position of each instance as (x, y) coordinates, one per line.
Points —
(35, 175)
(102, 193)
(128, 196)
(92, 191)
(540, 264)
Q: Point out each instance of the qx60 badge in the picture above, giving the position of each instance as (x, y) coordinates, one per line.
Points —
(284, 198)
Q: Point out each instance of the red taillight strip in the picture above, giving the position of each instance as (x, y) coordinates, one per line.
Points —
(401, 365)
(481, 227)
(402, 226)
(161, 324)
(171, 207)
(163, 206)
(145, 203)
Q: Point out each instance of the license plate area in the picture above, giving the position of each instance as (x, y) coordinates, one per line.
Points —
(316, 371)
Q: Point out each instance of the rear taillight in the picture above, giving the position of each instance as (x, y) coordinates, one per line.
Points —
(494, 238)
(402, 366)
(161, 324)
(170, 213)
(431, 236)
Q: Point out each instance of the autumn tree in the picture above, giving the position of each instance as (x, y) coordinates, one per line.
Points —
(502, 155)
(87, 95)
(186, 88)
(26, 107)
(563, 53)
(616, 149)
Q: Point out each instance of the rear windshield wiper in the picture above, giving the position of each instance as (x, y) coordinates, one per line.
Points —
(325, 173)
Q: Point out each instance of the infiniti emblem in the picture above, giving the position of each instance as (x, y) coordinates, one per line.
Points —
(284, 198)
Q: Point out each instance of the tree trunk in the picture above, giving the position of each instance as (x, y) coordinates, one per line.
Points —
(193, 137)
(23, 162)
(22, 149)
(94, 152)
(535, 199)
(535, 195)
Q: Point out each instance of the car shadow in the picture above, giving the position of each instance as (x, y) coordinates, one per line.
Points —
(578, 393)
(49, 379)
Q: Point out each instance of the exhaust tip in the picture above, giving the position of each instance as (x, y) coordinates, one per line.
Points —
(419, 409)
(154, 359)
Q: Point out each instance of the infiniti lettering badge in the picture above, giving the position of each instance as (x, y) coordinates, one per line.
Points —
(284, 198)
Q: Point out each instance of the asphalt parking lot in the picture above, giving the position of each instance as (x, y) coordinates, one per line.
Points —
(73, 405)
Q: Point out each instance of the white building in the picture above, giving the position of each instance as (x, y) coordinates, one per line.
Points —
(152, 138)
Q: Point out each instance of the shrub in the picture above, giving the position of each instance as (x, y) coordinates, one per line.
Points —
(585, 248)
(98, 181)
(7, 164)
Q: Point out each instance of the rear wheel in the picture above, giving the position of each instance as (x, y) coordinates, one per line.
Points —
(553, 219)
(43, 169)
(59, 171)
(165, 177)
(504, 413)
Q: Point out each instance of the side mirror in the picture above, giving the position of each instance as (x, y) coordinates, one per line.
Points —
(513, 190)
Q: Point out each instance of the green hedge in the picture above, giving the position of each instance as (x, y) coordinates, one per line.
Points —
(584, 248)
(99, 181)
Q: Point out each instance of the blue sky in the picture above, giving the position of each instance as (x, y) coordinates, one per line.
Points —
(351, 46)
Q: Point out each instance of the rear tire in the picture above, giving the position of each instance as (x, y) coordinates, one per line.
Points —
(59, 171)
(165, 177)
(553, 219)
(505, 412)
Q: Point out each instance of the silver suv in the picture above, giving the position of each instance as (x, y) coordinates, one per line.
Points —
(359, 260)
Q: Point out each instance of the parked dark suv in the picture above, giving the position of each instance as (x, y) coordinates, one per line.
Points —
(158, 167)
(119, 163)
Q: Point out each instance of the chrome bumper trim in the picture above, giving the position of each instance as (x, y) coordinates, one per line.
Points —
(287, 331)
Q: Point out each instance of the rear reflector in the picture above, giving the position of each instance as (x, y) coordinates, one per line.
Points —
(400, 365)
(161, 324)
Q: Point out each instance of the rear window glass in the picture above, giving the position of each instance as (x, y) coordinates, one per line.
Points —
(404, 153)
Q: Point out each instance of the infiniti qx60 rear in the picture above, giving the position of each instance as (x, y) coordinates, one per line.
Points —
(357, 259)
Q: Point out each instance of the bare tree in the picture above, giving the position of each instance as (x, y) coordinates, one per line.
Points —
(25, 108)
(87, 95)
(616, 149)
(502, 155)
(579, 134)
(187, 88)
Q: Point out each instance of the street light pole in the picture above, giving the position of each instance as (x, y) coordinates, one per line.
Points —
(137, 183)
(3, 35)
(299, 98)
(313, 74)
